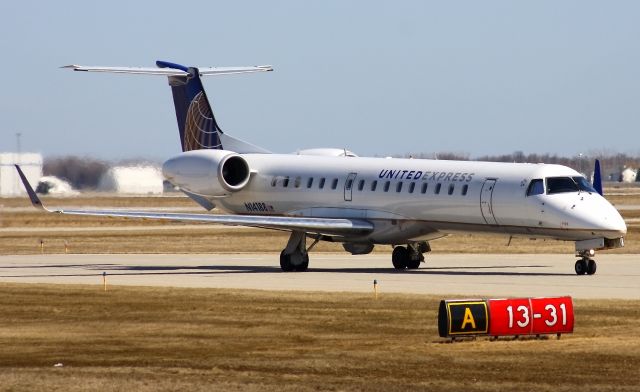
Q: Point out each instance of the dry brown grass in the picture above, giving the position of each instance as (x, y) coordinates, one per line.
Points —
(140, 237)
(148, 339)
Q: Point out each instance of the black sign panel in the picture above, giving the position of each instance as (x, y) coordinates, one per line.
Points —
(462, 318)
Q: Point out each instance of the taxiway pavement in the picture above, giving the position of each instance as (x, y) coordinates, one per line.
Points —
(618, 276)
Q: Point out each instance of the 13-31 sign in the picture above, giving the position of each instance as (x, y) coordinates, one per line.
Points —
(506, 317)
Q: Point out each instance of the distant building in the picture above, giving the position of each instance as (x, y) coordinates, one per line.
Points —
(31, 165)
(628, 175)
(138, 180)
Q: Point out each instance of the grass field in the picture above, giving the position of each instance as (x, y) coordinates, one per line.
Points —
(110, 235)
(149, 339)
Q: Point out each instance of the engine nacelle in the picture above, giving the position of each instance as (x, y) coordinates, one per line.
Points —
(208, 172)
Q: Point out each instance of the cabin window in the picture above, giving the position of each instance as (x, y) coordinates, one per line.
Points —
(285, 182)
(451, 188)
(361, 185)
(465, 189)
(334, 184)
(536, 187)
(374, 185)
(321, 184)
(310, 182)
(412, 186)
(297, 181)
(386, 186)
(399, 187)
(424, 187)
(274, 181)
(437, 190)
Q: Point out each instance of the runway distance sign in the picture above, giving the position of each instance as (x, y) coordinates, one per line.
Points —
(506, 317)
(530, 316)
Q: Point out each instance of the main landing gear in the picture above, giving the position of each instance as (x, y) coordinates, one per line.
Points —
(586, 265)
(409, 257)
(295, 257)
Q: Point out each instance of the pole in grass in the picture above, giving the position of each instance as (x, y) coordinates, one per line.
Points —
(375, 288)
(104, 280)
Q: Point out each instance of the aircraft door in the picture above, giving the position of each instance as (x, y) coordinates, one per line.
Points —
(348, 186)
(486, 206)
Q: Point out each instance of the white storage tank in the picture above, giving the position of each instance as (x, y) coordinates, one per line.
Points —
(628, 175)
(137, 180)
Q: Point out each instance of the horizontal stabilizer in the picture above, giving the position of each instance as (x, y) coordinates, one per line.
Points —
(171, 71)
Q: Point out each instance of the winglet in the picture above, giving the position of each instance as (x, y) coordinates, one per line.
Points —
(597, 178)
(35, 200)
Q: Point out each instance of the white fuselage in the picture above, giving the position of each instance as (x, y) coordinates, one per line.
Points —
(412, 199)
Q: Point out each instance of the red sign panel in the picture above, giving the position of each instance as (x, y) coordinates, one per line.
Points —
(530, 316)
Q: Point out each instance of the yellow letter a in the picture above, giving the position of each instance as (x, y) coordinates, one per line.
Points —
(468, 318)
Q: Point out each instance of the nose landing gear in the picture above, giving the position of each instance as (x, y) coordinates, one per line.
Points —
(586, 265)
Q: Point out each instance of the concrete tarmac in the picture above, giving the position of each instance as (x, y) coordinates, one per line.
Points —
(618, 276)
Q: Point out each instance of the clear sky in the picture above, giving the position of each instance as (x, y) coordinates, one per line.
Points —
(379, 78)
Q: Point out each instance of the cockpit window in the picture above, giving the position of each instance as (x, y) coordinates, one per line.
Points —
(583, 184)
(536, 187)
(561, 185)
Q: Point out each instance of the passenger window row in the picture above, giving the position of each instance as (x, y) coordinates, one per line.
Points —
(386, 186)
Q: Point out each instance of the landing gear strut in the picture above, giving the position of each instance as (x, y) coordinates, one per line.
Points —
(409, 257)
(295, 256)
(586, 265)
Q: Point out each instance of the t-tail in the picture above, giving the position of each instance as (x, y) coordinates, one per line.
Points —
(197, 124)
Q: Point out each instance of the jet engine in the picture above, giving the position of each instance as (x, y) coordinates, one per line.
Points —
(211, 173)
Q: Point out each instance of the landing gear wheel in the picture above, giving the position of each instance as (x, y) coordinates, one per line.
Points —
(285, 262)
(591, 267)
(400, 257)
(413, 264)
(581, 267)
(305, 264)
(287, 265)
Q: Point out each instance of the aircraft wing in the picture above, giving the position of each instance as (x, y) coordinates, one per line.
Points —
(329, 226)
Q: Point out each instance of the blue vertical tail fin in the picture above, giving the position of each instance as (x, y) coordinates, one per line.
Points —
(597, 178)
(196, 122)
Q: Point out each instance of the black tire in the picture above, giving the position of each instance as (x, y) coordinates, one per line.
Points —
(285, 262)
(413, 264)
(399, 257)
(304, 266)
(591, 267)
(581, 267)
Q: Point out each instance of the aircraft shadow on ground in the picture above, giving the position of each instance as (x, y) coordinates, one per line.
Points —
(123, 270)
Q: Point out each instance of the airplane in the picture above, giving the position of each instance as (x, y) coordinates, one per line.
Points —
(334, 195)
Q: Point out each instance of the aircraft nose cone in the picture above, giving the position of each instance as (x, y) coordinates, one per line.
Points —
(612, 222)
(618, 224)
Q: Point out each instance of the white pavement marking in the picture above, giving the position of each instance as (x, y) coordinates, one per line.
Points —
(618, 276)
